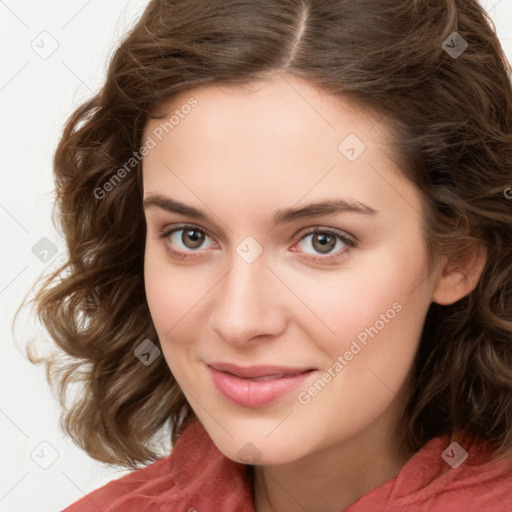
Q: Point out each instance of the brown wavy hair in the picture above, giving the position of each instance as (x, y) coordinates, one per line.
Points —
(451, 120)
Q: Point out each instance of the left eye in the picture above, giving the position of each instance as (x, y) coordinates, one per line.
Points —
(325, 240)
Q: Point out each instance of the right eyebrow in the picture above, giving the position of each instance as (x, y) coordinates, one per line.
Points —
(170, 205)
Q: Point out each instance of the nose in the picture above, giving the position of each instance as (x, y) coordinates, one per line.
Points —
(247, 303)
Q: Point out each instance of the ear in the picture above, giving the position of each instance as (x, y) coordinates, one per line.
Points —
(459, 275)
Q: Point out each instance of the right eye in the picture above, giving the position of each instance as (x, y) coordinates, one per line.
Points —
(187, 236)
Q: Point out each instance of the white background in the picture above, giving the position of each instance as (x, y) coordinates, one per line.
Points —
(36, 97)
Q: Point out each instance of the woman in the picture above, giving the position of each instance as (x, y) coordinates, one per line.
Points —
(289, 232)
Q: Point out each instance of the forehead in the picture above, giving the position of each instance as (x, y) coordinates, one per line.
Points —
(284, 106)
(279, 140)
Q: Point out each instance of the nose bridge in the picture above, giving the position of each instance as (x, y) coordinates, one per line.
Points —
(245, 305)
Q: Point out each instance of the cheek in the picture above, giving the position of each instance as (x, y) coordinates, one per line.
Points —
(161, 294)
(171, 291)
(377, 316)
(167, 298)
(178, 299)
(377, 310)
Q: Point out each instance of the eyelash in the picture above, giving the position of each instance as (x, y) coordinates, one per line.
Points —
(182, 255)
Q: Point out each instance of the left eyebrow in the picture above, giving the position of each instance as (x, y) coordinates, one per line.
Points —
(317, 209)
(283, 216)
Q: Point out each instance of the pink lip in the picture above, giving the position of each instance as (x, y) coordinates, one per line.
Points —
(248, 392)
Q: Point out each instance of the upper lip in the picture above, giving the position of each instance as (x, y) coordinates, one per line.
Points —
(256, 371)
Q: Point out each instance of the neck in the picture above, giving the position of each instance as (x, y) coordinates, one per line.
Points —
(332, 478)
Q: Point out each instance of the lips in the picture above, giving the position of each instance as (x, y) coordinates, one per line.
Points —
(262, 372)
(258, 385)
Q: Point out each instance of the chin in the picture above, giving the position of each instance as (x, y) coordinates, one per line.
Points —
(253, 450)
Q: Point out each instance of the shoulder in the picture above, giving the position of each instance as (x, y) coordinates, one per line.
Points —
(449, 474)
(195, 476)
(461, 472)
(103, 497)
(482, 482)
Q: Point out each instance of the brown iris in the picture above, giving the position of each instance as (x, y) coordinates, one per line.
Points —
(325, 245)
(195, 235)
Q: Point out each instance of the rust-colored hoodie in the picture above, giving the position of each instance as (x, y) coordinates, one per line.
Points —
(197, 477)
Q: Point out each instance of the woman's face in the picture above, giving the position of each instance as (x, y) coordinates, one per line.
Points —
(249, 283)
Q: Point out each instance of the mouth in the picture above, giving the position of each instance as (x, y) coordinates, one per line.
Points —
(260, 372)
(258, 390)
(268, 377)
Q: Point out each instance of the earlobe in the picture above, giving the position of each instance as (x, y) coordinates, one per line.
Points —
(459, 278)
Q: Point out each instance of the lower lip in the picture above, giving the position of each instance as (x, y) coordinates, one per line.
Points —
(255, 393)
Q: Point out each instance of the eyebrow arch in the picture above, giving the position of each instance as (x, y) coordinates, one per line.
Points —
(326, 207)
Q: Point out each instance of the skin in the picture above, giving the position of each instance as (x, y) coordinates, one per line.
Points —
(240, 155)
